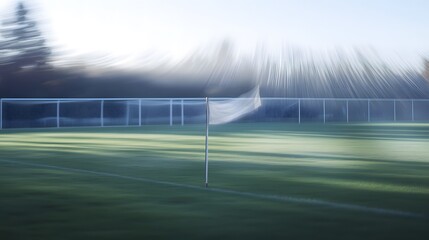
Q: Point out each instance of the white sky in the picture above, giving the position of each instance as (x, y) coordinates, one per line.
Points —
(176, 27)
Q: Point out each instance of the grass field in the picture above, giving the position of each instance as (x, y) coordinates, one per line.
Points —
(271, 181)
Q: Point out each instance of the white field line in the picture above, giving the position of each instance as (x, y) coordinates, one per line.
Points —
(298, 200)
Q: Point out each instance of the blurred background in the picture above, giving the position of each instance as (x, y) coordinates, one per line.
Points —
(192, 48)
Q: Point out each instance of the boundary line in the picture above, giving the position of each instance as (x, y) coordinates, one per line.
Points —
(289, 199)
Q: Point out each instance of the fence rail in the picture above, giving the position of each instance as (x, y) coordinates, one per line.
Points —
(70, 112)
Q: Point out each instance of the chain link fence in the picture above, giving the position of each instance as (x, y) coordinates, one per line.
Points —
(45, 113)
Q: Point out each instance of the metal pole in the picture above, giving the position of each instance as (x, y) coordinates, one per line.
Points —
(394, 110)
(140, 112)
(369, 111)
(347, 110)
(1, 113)
(412, 110)
(171, 112)
(207, 143)
(58, 113)
(182, 113)
(299, 111)
(127, 118)
(102, 113)
(324, 111)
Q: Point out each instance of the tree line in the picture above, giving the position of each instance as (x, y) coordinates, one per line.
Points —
(27, 70)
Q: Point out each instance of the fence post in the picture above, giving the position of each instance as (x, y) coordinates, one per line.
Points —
(369, 110)
(347, 110)
(127, 119)
(182, 114)
(171, 112)
(394, 110)
(102, 113)
(1, 113)
(299, 111)
(140, 112)
(58, 113)
(324, 111)
(412, 110)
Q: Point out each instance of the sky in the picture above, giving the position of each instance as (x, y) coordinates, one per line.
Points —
(178, 27)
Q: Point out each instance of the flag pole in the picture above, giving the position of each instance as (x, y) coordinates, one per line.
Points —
(207, 142)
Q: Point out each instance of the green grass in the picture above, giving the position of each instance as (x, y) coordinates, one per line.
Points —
(373, 165)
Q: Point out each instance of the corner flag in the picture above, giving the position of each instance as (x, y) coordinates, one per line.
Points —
(220, 112)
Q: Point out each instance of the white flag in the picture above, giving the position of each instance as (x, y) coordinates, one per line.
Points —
(229, 110)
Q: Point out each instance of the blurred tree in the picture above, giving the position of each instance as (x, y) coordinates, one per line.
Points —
(426, 70)
(22, 45)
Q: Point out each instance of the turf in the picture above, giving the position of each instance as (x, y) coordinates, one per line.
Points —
(372, 165)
